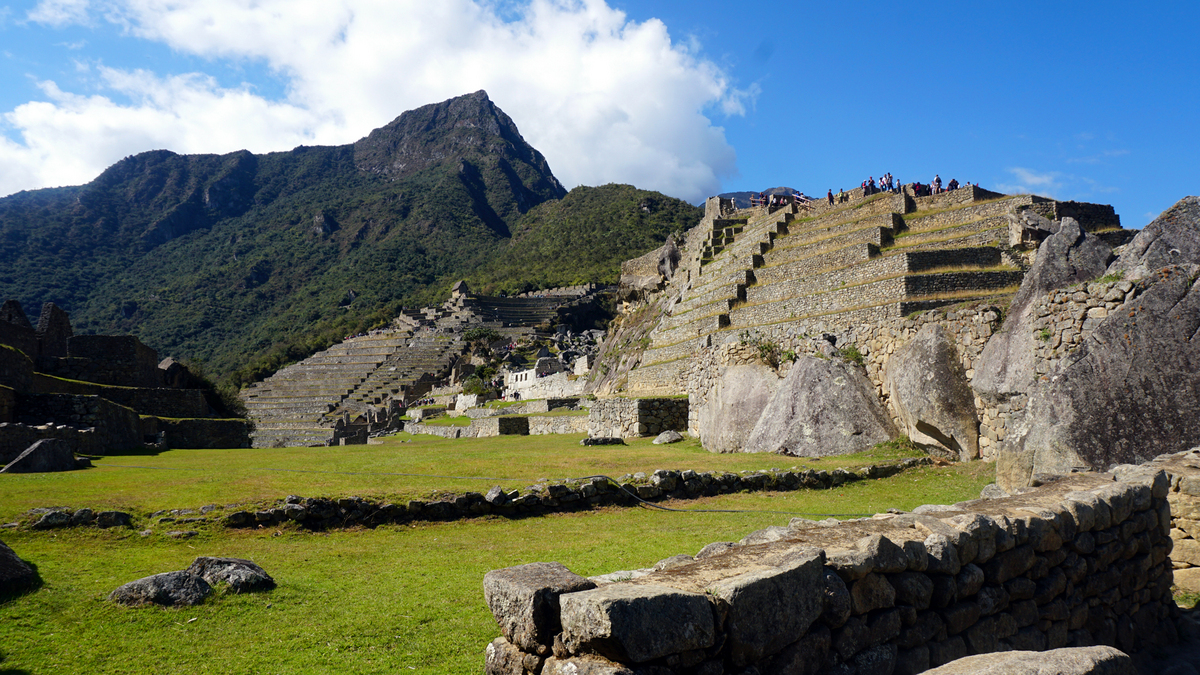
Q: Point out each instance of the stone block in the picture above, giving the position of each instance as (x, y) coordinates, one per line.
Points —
(525, 601)
(765, 610)
(637, 623)
(872, 592)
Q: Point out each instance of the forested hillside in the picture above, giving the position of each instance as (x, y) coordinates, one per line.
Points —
(246, 262)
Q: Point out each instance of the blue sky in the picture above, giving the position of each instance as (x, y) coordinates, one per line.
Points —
(1093, 102)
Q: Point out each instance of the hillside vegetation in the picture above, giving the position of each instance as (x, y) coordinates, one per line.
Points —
(244, 263)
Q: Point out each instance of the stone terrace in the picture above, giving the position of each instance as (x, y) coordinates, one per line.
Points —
(289, 408)
(864, 258)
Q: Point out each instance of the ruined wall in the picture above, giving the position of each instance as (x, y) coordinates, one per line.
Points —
(117, 360)
(116, 427)
(199, 433)
(15, 438)
(558, 424)
(500, 426)
(19, 337)
(160, 402)
(16, 369)
(8, 403)
(1079, 562)
(635, 417)
(557, 385)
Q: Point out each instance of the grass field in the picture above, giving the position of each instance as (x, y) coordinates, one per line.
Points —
(398, 598)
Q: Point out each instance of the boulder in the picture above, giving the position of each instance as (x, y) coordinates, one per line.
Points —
(668, 436)
(241, 575)
(1067, 661)
(15, 574)
(525, 601)
(627, 622)
(1173, 238)
(44, 456)
(735, 403)
(824, 407)
(668, 258)
(171, 589)
(927, 385)
(1129, 393)
(1006, 365)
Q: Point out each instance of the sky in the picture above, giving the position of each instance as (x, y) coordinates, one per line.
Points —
(1096, 101)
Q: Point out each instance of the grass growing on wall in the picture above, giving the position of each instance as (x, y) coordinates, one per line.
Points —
(399, 598)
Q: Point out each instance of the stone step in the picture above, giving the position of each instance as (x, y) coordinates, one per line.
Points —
(700, 326)
(878, 236)
(800, 235)
(830, 260)
(990, 237)
(949, 233)
(897, 289)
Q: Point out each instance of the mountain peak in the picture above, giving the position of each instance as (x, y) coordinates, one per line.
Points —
(435, 133)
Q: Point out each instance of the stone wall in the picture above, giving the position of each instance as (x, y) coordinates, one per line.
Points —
(199, 433)
(16, 369)
(548, 404)
(8, 403)
(117, 427)
(500, 426)
(159, 402)
(118, 360)
(636, 417)
(558, 424)
(1081, 561)
(19, 337)
(1184, 498)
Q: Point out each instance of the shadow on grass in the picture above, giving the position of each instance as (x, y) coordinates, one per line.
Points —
(131, 452)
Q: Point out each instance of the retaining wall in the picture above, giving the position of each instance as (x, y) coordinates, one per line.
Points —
(1079, 562)
(199, 433)
(635, 417)
(117, 427)
(558, 424)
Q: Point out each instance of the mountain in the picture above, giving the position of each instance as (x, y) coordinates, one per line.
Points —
(245, 262)
(741, 200)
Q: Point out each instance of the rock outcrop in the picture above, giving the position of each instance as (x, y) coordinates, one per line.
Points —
(44, 456)
(1130, 392)
(1173, 238)
(1068, 256)
(929, 389)
(735, 405)
(15, 574)
(1099, 660)
(825, 407)
(241, 575)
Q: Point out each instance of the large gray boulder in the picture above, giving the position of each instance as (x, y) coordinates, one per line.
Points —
(1099, 660)
(1006, 365)
(171, 589)
(1130, 392)
(929, 389)
(15, 574)
(825, 407)
(1173, 238)
(44, 456)
(241, 575)
(735, 403)
(525, 601)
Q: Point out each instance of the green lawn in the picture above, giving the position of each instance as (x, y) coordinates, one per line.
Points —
(387, 600)
(404, 467)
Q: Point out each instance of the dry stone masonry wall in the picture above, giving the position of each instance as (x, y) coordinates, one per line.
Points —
(634, 418)
(1082, 561)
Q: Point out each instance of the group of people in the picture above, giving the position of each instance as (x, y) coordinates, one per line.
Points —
(773, 200)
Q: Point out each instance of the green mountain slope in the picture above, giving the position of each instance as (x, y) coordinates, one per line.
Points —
(584, 237)
(247, 262)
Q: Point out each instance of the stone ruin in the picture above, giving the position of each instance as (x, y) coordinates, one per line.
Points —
(1083, 560)
(1013, 328)
(362, 386)
(96, 393)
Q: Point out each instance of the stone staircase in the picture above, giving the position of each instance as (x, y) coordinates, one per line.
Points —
(871, 258)
(290, 408)
(425, 359)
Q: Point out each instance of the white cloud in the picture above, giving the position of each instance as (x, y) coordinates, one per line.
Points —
(604, 98)
(1044, 183)
(60, 12)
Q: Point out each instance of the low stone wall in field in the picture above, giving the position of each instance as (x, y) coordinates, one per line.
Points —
(1081, 561)
(558, 424)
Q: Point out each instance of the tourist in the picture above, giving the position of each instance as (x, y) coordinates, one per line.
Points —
(829, 196)
(937, 184)
(952, 185)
